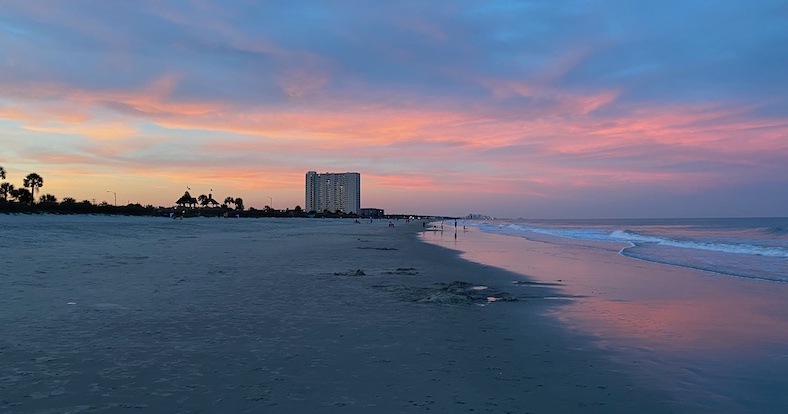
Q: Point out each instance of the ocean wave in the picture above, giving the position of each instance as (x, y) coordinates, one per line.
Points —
(635, 238)
(751, 267)
(757, 274)
(742, 248)
(740, 252)
(578, 234)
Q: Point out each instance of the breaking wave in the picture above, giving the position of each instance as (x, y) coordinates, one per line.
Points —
(757, 252)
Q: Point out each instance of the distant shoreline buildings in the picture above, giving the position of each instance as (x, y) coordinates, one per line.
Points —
(333, 192)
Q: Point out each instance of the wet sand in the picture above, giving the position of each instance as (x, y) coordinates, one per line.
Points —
(251, 315)
(715, 343)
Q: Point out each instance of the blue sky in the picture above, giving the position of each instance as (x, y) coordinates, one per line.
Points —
(521, 108)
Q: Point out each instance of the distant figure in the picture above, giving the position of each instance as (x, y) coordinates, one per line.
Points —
(357, 222)
(424, 224)
(391, 224)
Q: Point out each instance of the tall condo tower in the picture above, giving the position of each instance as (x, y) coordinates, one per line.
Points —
(333, 191)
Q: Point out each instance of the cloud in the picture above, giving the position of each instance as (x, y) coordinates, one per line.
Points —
(517, 99)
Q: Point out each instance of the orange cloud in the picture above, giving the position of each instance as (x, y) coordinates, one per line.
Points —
(15, 114)
(452, 147)
(103, 131)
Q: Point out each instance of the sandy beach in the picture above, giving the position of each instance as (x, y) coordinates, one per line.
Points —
(115, 314)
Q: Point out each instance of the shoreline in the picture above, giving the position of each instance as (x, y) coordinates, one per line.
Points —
(713, 342)
(280, 315)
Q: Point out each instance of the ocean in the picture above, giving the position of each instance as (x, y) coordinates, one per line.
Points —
(755, 248)
(694, 307)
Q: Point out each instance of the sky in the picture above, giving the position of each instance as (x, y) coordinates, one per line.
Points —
(535, 109)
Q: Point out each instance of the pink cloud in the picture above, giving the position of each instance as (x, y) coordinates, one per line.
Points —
(490, 147)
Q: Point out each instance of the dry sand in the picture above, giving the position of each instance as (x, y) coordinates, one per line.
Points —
(284, 316)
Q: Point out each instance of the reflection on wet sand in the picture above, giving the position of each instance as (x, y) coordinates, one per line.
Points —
(687, 328)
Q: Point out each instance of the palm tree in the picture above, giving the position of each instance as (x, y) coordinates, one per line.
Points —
(239, 204)
(203, 200)
(23, 195)
(48, 198)
(229, 200)
(7, 190)
(2, 173)
(33, 181)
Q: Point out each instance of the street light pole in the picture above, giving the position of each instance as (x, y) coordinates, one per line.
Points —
(271, 200)
(116, 197)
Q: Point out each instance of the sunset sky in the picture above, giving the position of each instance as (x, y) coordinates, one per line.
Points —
(539, 109)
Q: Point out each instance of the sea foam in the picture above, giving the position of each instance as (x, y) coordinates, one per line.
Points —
(754, 249)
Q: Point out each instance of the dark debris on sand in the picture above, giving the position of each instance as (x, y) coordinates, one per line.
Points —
(357, 272)
(400, 271)
(454, 293)
(407, 271)
(377, 248)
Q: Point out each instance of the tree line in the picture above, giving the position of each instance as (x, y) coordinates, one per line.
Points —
(203, 200)
(33, 181)
(23, 199)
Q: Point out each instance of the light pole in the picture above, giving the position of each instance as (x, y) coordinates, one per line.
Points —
(271, 201)
(116, 197)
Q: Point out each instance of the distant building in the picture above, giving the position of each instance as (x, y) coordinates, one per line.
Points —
(333, 192)
(371, 213)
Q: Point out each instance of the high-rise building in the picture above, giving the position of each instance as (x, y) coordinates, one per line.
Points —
(333, 192)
